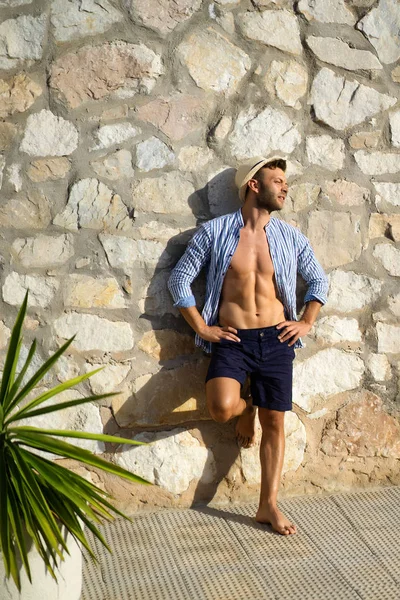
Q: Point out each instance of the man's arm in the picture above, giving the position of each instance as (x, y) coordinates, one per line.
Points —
(196, 256)
(312, 273)
(211, 333)
(311, 312)
(316, 296)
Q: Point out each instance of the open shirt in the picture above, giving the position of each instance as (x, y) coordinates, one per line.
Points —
(214, 244)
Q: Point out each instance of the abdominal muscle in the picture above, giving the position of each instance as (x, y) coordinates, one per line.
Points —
(249, 304)
(249, 297)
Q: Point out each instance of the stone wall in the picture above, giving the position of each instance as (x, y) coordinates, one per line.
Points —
(121, 125)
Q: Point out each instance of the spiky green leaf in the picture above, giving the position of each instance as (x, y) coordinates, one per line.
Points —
(51, 445)
(13, 352)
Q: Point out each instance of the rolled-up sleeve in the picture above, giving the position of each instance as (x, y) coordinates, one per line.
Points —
(196, 256)
(312, 272)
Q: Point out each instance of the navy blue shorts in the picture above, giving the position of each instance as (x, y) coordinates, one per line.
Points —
(260, 354)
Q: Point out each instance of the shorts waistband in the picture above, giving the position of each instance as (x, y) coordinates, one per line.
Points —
(259, 333)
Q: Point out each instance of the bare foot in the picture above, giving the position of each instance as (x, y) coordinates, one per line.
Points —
(276, 519)
(246, 427)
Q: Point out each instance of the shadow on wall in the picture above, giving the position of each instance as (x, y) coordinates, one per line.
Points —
(174, 397)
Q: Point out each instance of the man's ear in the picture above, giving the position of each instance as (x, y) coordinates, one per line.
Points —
(253, 185)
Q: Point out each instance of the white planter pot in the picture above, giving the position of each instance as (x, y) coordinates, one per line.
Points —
(43, 586)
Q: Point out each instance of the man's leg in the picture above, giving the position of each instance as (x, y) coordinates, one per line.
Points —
(224, 403)
(272, 450)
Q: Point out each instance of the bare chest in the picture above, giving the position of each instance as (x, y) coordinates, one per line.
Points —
(252, 255)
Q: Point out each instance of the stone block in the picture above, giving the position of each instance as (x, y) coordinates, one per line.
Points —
(213, 61)
(41, 289)
(335, 237)
(362, 428)
(259, 133)
(334, 329)
(287, 81)
(195, 158)
(383, 225)
(71, 20)
(30, 210)
(94, 333)
(21, 40)
(389, 256)
(170, 396)
(346, 193)
(61, 135)
(325, 151)
(222, 192)
(18, 94)
(388, 338)
(166, 344)
(75, 418)
(92, 205)
(350, 291)
(394, 120)
(5, 334)
(117, 69)
(394, 304)
(302, 196)
(338, 53)
(342, 103)
(48, 169)
(177, 115)
(365, 139)
(388, 192)
(379, 366)
(326, 11)
(153, 154)
(43, 250)
(83, 291)
(118, 133)
(167, 194)
(8, 132)
(162, 16)
(115, 166)
(377, 163)
(109, 378)
(171, 459)
(278, 28)
(323, 375)
(381, 27)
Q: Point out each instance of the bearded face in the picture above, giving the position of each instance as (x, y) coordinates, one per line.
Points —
(272, 190)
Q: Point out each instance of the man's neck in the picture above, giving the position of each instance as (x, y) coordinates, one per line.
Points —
(254, 218)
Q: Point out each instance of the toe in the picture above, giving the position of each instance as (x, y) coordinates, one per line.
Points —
(286, 531)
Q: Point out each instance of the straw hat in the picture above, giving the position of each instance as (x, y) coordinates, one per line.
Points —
(248, 169)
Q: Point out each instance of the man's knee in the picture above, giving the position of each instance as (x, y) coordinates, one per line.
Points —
(271, 419)
(221, 410)
(222, 398)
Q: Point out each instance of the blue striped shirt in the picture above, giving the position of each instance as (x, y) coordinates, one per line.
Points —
(214, 244)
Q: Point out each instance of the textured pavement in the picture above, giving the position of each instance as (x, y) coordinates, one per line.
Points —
(347, 547)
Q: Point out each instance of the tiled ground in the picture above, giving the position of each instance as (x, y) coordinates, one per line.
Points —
(347, 547)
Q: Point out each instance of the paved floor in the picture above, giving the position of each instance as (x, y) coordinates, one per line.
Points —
(347, 547)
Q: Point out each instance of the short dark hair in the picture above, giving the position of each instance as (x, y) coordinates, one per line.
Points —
(280, 163)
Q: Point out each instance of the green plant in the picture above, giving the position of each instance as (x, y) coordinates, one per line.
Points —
(39, 496)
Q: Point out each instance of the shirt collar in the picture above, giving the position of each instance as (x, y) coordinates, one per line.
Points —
(240, 223)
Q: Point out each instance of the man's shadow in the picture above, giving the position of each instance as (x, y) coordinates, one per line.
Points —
(174, 397)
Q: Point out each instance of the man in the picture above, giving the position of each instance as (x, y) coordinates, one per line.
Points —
(249, 318)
